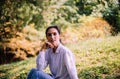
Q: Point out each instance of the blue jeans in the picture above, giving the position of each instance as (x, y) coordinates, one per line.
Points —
(35, 74)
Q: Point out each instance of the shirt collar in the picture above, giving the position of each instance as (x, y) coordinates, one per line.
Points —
(58, 48)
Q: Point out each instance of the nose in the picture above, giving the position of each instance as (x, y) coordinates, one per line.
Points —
(52, 36)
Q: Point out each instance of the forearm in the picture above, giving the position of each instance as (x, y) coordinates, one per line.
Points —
(71, 67)
(73, 73)
(41, 63)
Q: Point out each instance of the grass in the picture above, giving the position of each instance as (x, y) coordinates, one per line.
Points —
(16, 70)
(98, 58)
(95, 59)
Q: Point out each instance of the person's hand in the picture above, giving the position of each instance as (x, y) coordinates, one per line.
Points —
(46, 45)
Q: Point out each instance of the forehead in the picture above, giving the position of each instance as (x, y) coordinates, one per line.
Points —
(52, 30)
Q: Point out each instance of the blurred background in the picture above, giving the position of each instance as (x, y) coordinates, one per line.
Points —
(90, 28)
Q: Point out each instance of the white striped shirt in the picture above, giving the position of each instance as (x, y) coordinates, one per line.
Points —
(61, 63)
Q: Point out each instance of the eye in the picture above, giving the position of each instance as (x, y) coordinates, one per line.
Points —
(54, 34)
(49, 34)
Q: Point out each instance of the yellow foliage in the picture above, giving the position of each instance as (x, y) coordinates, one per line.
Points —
(91, 27)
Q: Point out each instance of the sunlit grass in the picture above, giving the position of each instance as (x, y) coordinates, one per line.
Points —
(95, 54)
(14, 70)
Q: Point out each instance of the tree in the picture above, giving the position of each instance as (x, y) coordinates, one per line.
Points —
(108, 9)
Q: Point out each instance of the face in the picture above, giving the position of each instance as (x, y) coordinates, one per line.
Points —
(53, 36)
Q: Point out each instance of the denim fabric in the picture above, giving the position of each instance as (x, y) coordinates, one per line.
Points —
(35, 74)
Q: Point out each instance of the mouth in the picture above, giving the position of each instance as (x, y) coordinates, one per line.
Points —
(52, 40)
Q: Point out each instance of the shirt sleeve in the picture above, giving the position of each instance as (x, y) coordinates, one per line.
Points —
(41, 61)
(70, 64)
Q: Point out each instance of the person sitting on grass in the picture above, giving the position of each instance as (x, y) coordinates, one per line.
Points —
(60, 59)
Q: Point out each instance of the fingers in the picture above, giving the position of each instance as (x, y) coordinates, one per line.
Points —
(46, 45)
(49, 45)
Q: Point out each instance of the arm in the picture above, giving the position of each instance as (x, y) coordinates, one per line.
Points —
(41, 62)
(70, 64)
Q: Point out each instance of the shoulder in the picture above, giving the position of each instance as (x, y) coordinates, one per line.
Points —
(66, 50)
(48, 51)
(44, 53)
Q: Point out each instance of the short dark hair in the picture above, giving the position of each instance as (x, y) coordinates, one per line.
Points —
(55, 26)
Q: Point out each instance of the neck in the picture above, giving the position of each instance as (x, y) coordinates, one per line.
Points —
(55, 47)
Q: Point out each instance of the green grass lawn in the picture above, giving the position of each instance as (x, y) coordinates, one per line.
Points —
(95, 59)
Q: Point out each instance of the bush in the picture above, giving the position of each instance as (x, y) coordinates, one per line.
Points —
(95, 72)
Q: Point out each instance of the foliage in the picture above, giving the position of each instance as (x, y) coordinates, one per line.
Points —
(112, 13)
(93, 60)
(24, 45)
(28, 42)
(90, 27)
(8, 31)
(101, 8)
(85, 6)
(15, 15)
(96, 58)
(20, 13)
(42, 13)
(60, 12)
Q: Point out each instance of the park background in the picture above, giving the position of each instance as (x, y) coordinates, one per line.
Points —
(90, 29)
